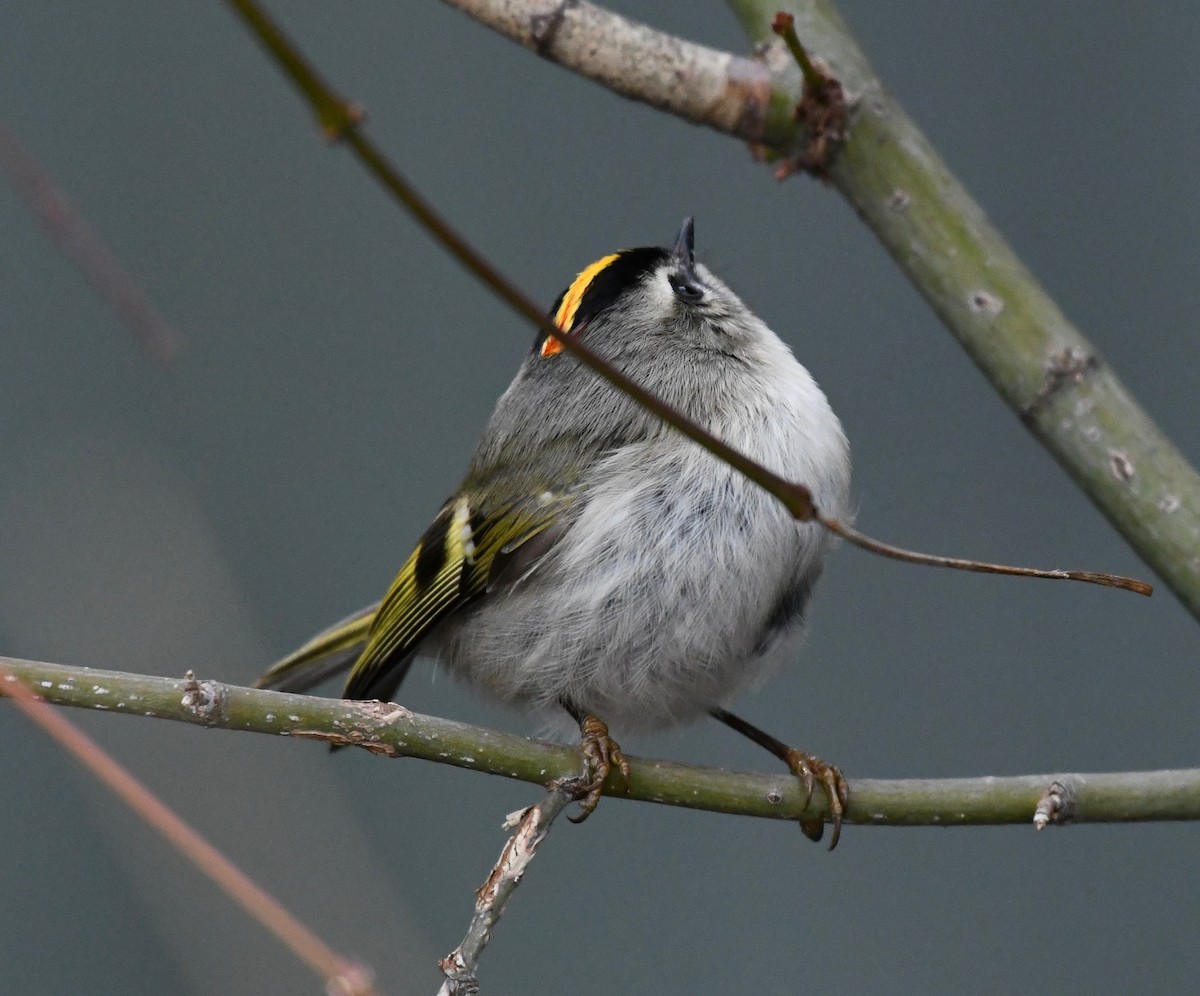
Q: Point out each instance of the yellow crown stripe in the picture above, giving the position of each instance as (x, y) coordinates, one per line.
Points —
(572, 299)
(574, 295)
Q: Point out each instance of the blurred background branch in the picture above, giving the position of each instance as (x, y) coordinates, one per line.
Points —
(342, 976)
(80, 242)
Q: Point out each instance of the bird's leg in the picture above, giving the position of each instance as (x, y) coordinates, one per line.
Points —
(601, 754)
(809, 769)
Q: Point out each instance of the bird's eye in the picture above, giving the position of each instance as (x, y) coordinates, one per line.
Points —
(686, 287)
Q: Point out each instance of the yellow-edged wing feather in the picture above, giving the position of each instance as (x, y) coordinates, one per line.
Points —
(460, 557)
(454, 564)
(330, 651)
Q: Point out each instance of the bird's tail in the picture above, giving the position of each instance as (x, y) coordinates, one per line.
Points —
(329, 652)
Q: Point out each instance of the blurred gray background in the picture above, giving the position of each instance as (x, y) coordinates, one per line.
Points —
(336, 370)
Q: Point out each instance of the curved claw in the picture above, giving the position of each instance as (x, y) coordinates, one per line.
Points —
(601, 753)
(811, 770)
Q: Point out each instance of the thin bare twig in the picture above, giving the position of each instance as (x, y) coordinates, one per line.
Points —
(69, 230)
(532, 825)
(852, 535)
(343, 121)
(1042, 365)
(822, 110)
(342, 976)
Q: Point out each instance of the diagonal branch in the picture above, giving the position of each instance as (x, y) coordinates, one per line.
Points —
(394, 731)
(530, 827)
(1041, 364)
(343, 121)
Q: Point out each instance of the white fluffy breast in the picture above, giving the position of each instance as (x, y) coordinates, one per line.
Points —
(666, 596)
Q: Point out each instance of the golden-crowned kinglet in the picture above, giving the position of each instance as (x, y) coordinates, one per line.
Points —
(594, 560)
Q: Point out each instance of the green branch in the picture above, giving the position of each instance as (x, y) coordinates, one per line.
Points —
(394, 731)
(675, 69)
(1043, 367)
(1041, 364)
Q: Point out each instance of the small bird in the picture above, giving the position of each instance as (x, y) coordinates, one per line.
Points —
(596, 563)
